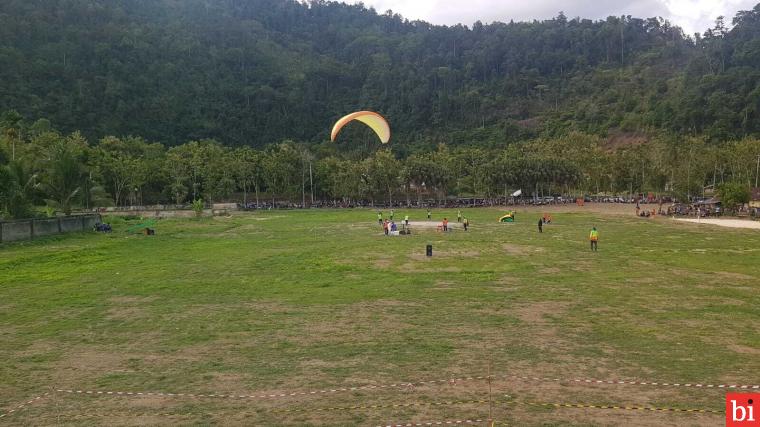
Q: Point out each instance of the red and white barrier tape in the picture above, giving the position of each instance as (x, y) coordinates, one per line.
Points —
(451, 381)
(23, 405)
(436, 423)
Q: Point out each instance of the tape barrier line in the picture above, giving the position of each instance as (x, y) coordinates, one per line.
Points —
(134, 415)
(414, 404)
(23, 405)
(621, 382)
(436, 423)
(189, 415)
(450, 381)
(505, 402)
(390, 405)
(616, 407)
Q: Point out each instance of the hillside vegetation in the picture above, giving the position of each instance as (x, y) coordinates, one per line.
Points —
(259, 71)
(158, 101)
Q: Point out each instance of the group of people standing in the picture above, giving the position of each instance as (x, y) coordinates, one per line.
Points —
(390, 226)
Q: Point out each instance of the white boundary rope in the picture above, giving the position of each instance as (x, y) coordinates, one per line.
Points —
(23, 405)
(436, 423)
(451, 381)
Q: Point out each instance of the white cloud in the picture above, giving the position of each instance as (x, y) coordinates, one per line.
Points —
(699, 15)
(691, 15)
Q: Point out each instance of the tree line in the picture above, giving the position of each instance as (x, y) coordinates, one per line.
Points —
(44, 170)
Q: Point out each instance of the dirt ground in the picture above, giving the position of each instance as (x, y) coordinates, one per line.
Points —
(732, 223)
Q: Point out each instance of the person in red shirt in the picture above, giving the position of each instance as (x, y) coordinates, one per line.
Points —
(445, 224)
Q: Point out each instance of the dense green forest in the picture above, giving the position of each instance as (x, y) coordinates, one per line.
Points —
(143, 101)
(253, 72)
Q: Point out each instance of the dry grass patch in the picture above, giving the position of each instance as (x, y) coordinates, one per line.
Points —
(445, 254)
(743, 349)
(728, 275)
(414, 268)
(522, 250)
(383, 263)
(82, 367)
(538, 312)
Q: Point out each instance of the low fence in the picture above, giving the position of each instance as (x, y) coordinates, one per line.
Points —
(163, 214)
(28, 229)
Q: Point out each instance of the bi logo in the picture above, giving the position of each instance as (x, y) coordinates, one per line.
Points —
(742, 409)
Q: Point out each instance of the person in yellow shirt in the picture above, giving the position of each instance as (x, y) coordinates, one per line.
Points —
(594, 238)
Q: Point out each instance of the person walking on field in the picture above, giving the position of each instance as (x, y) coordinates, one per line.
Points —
(428, 214)
(594, 238)
(445, 224)
(391, 214)
(540, 225)
(466, 224)
(379, 217)
(386, 225)
(406, 220)
(459, 215)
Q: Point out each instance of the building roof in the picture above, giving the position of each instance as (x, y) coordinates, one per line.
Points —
(711, 201)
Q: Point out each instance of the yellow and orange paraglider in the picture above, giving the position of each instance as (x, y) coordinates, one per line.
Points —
(375, 121)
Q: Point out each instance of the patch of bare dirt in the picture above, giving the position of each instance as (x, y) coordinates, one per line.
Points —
(383, 263)
(524, 250)
(734, 276)
(508, 280)
(81, 366)
(358, 321)
(125, 313)
(641, 280)
(415, 268)
(744, 349)
(444, 286)
(446, 254)
(538, 311)
(131, 300)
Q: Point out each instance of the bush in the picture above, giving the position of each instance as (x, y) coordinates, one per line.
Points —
(198, 207)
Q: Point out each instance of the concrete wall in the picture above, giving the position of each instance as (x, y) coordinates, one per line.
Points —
(89, 221)
(46, 227)
(70, 224)
(12, 231)
(28, 229)
(185, 213)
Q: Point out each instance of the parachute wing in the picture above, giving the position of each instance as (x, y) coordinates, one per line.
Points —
(375, 121)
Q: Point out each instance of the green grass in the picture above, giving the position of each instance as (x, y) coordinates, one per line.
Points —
(292, 300)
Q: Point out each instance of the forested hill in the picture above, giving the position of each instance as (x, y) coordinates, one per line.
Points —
(259, 71)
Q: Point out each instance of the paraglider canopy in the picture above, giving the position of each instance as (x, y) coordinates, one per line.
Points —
(375, 121)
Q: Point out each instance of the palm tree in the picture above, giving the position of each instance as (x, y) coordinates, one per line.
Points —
(63, 180)
(16, 186)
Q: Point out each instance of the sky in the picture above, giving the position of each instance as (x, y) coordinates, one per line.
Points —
(691, 15)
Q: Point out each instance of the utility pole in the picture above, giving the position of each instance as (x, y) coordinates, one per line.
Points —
(311, 183)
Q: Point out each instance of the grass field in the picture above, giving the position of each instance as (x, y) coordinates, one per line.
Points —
(288, 302)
